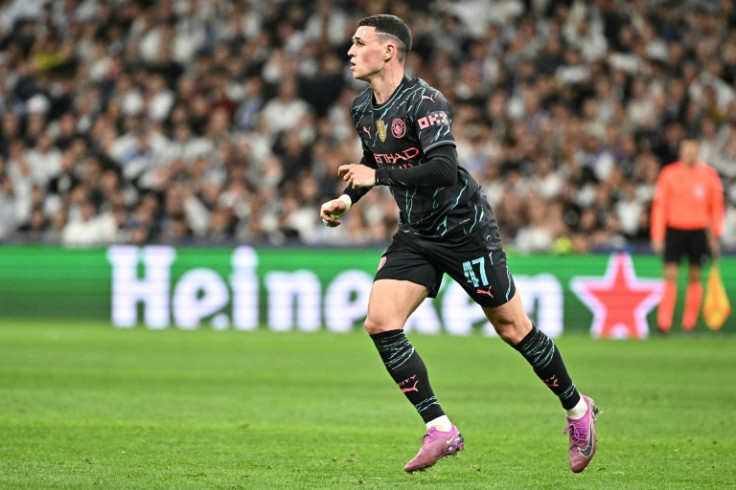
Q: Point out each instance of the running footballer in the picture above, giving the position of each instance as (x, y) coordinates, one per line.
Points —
(446, 225)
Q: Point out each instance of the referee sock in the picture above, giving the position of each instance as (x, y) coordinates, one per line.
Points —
(408, 371)
(693, 300)
(666, 308)
(544, 357)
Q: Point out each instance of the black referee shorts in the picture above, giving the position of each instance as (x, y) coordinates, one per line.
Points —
(480, 269)
(691, 243)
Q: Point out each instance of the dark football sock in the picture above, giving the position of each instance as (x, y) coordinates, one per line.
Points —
(408, 371)
(540, 351)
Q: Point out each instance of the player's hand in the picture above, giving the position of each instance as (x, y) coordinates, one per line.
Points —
(658, 246)
(357, 175)
(332, 211)
(715, 245)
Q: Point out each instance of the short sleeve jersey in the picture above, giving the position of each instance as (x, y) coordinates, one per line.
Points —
(399, 133)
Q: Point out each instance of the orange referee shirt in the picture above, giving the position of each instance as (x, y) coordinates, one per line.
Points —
(687, 198)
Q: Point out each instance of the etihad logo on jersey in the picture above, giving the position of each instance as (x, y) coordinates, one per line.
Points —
(396, 158)
(434, 119)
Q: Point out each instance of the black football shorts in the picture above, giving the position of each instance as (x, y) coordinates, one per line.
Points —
(691, 243)
(479, 268)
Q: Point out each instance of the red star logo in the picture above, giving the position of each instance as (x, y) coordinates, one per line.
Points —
(619, 300)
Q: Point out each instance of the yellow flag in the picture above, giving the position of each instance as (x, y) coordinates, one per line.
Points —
(716, 307)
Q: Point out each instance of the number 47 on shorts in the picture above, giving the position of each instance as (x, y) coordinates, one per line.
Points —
(469, 271)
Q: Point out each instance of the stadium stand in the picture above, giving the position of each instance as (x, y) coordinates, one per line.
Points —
(223, 122)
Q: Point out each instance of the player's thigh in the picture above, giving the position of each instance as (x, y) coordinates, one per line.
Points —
(674, 246)
(509, 319)
(482, 272)
(407, 260)
(697, 248)
(405, 277)
(671, 271)
(391, 302)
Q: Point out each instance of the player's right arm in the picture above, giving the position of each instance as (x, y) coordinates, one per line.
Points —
(333, 210)
(360, 178)
(716, 212)
(658, 217)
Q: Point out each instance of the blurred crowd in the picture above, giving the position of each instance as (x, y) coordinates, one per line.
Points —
(223, 122)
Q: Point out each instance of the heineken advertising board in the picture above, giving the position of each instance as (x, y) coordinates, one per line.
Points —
(311, 289)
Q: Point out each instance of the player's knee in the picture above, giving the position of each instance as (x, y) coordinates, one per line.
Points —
(508, 334)
(694, 276)
(671, 273)
(374, 325)
(693, 280)
(512, 332)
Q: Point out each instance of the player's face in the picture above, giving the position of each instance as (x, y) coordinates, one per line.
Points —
(366, 53)
(689, 152)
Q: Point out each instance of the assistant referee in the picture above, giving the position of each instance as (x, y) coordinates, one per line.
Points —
(687, 220)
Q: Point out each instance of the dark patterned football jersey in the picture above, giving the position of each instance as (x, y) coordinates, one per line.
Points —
(399, 133)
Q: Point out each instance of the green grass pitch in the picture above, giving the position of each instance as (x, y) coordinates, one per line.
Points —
(89, 406)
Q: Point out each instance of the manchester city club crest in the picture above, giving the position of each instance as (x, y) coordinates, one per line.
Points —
(381, 127)
(398, 128)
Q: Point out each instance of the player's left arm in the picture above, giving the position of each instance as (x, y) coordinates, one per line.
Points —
(360, 177)
(431, 120)
(439, 169)
(717, 213)
(657, 220)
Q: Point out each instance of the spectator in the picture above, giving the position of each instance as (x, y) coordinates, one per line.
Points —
(552, 100)
(88, 228)
(286, 110)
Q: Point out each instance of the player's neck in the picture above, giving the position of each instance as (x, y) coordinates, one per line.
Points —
(387, 82)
